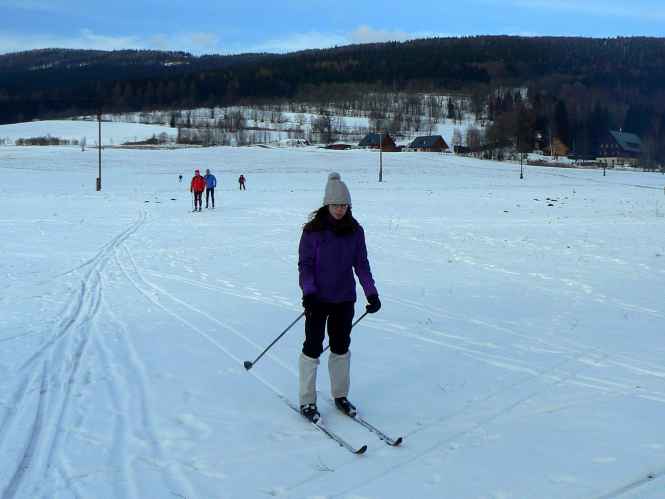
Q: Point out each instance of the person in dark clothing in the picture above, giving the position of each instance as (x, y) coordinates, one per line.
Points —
(180, 179)
(211, 183)
(332, 247)
(241, 181)
(197, 186)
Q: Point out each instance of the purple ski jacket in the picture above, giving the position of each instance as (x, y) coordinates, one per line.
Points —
(326, 263)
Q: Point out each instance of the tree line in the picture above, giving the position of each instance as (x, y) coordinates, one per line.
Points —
(574, 89)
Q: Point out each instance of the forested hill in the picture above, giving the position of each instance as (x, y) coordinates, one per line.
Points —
(56, 82)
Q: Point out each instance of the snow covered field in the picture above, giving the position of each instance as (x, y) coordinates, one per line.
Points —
(113, 133)
(519, 351)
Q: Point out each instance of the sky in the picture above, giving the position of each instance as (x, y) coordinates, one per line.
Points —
(232, 27)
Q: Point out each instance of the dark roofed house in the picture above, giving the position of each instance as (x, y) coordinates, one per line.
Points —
(339, 146)
(620, 148)
(372, 141)
(429, 143)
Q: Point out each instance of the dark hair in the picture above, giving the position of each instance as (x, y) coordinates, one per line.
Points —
(320, 220)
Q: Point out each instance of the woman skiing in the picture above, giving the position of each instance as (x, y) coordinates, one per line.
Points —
(332, 246)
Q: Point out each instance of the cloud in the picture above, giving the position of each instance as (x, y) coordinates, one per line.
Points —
(367, 34)
(316, 40)
(88, 39)
(203, 39)
(196, 43)
(295, 42)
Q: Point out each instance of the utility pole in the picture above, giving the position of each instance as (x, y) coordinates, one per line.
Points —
(381, 158)
(99, 149)
(519, 149)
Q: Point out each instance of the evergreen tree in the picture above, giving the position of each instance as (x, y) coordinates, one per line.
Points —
(451, 109)
(561, 124)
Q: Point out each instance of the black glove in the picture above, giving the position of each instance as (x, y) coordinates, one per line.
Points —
(309, 302)
(374, 304)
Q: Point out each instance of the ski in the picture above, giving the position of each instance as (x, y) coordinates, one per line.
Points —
(329, 433)
(338, 439)
(382, 436)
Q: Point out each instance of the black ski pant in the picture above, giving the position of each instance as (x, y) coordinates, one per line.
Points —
(198, 199)
(242, 187)
(339, 317)
(210, 193)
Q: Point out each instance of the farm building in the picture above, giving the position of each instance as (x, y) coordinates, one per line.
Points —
(372, 141)
(619, 149)
(428, 143)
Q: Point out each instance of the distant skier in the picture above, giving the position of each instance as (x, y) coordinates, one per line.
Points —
(211, 183)
(241, 181)
(180, 179)
(197, 186)
(332, 246)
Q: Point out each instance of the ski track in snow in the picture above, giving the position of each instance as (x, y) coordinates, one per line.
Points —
(476, 425)
(46, 407)
(465, 413)
(563, 346)
(559, 347)
(192, 308)
(578, 354)
(146, 288)
(634, 485)
(61, 358)
(462, 344)
(572, 286)
(230, 290)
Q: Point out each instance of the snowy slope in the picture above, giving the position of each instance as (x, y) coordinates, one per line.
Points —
(272, 124)
(519, 350)
(113, 133)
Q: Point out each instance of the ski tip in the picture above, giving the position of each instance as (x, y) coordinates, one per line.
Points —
(396, 442)
(361, 450)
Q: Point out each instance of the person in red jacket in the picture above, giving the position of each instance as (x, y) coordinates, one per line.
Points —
(197, 186)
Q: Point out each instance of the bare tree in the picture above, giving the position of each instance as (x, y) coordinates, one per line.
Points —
(478, 103)
(457, 137)
(473, 139)
(325, 126)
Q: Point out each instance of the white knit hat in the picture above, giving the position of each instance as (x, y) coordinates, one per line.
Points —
(336, 191)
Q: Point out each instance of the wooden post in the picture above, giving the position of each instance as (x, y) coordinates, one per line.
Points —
(381, 158)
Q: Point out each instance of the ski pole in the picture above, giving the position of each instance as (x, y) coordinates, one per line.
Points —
(248, 365)
(193, 205)
(352, 326)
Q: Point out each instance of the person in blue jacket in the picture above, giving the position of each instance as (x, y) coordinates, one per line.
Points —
(332, 247)
(211, 183)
